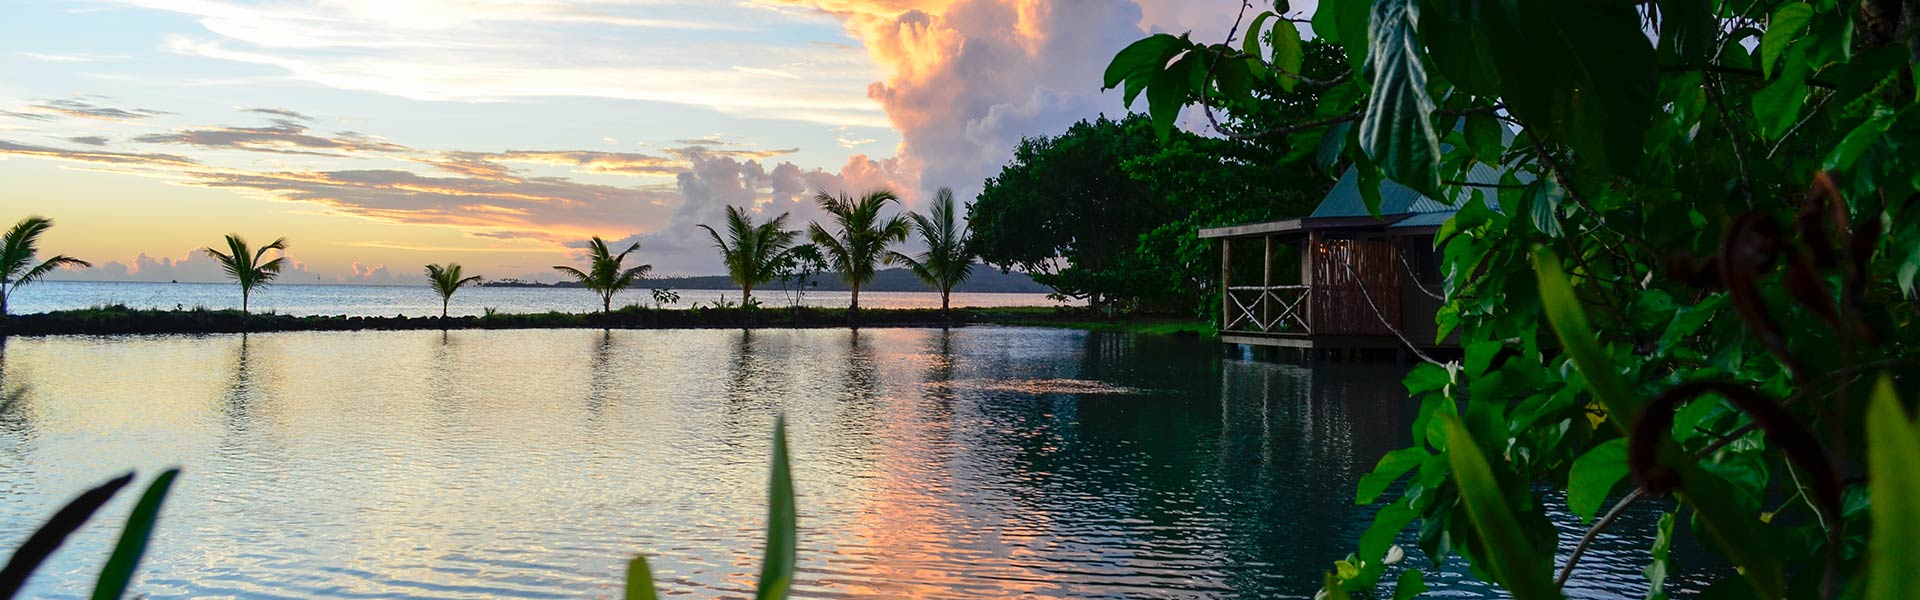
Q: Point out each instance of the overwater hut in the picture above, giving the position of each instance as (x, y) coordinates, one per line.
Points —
(1340, 277)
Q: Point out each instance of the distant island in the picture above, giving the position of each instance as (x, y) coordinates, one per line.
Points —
(985, 280)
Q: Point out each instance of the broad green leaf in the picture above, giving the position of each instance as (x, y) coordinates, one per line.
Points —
(1582, 72)
(1168, 93)
(1387, 525)
(1515, 562)
(1594, 475)
(117, 575)
(1251, 45)
(1484, 138)
(1569, 322)
(1333, 145)
(1410, 585)
(1397, 131)
(1777, 106)
(1787, 23)
(640, 580)
(1856, 143)
(1458, 38)
(776, 572)
(1344, 22)
(1543, 199)
(1893, 455)
(1733, 529)
(1288, 56)
(1140, 59)
(1390, 468)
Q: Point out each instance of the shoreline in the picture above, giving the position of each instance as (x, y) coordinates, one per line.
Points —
(120, 320)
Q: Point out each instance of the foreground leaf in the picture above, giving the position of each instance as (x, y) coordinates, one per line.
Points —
(1397, 131)
(1514, 560)
(776, 572)
(1593, 476)
(1569, 321)
(1893, 452)
(125, 561)
(54, 532)
(640, 580)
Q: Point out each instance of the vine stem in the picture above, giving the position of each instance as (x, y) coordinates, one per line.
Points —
(1593, 532)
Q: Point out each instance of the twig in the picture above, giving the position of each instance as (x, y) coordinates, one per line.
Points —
(1733, 137)
(1593, 532)
(1415, 278)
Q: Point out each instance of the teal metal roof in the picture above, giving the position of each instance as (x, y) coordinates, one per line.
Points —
(1395, 199)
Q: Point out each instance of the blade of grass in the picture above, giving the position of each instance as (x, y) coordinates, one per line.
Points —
(640, 580)
(54, 532)
(776, 572)
(1569, 322)
(1893, 454)
(118, 573)
(1514, 559)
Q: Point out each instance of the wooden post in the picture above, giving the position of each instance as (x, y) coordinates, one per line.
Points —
(1226, 283)
(1266, 282)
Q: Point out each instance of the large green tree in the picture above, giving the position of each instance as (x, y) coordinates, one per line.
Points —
(1692, 297)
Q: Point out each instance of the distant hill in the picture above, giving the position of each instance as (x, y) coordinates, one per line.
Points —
(985, 279)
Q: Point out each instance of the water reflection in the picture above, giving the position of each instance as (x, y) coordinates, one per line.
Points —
(930, 463)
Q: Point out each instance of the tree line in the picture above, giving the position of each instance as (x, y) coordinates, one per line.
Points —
(856, 240)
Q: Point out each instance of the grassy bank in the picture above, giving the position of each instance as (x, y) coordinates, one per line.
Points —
(123, 320)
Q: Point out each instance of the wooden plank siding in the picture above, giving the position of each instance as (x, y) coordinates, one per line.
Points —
(1340, 294)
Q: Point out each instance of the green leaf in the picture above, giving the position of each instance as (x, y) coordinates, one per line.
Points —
(1459, 40)
(1582, 72)
(1251, 45)
(1662, 546)
(1893, 466)
(1333, 145)
(117, 575)
(640, 580)
(1410, 585)
(1856, 143)
(1397, 131)
(1543, 199)
(1484, 138)
(1778, 105)
(1344, 22)
(1516, 564)
(1787, 23)
(1390, 468)
(1140, 60)
(1569, 322)
(1594, 475)
(1288, 56)
(1168, 93)
(776, 572)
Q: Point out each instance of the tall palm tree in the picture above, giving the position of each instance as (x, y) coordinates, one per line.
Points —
(604, 275)
(863, 238)
(752, 252)
(246, 268)
(447, 280)
(948, 259)
(17, 251)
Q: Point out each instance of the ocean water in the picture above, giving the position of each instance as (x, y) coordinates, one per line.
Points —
(415, 301)
(981, 462)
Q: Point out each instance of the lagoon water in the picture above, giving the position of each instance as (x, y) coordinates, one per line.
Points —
(417, 301)
(981, 462)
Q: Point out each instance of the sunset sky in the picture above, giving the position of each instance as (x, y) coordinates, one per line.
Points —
(380, 135)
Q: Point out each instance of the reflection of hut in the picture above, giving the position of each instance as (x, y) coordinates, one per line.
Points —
(1340, 277)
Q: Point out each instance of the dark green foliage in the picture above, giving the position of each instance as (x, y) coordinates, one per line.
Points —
(1718, 251)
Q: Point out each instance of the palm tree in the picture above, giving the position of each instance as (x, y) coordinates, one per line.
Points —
(246, 267)
(752, 252)
(446, 280)
(604, 275)
(948, 259)
(17, 251)
(862, 242)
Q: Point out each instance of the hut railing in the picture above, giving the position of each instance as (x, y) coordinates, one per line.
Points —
(1269, 308)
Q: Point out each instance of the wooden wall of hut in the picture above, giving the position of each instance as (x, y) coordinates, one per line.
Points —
(1346, 273)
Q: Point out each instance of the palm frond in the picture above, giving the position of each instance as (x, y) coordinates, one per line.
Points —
(51, 265)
